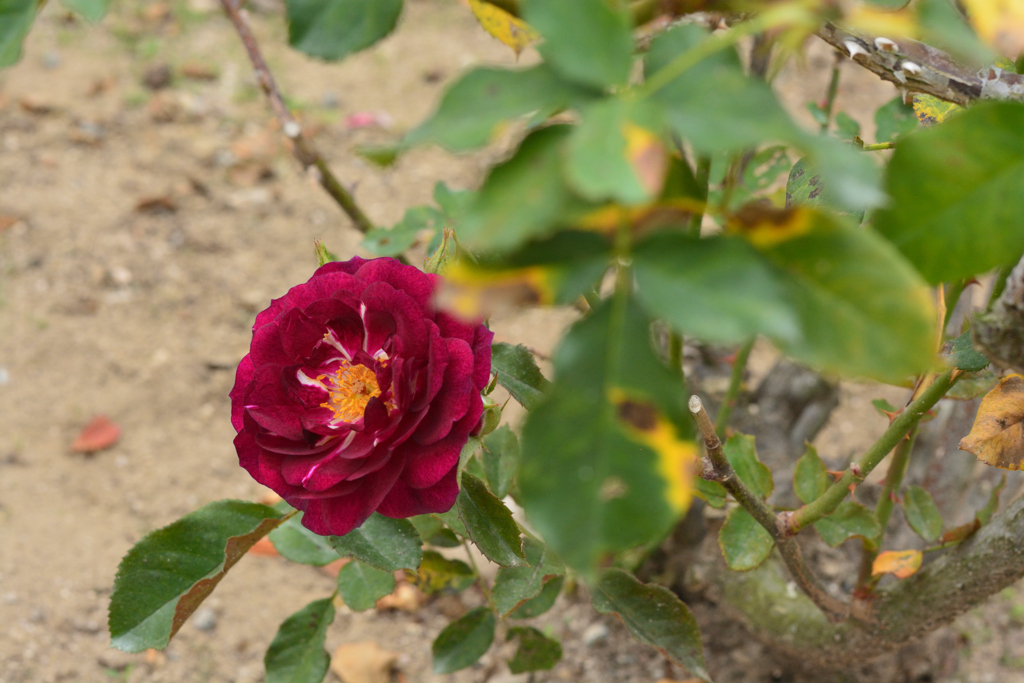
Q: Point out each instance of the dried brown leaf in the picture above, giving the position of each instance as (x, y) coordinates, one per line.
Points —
(997, 437)
(899, 563)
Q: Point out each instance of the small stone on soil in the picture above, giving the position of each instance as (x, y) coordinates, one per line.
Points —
(594, 634)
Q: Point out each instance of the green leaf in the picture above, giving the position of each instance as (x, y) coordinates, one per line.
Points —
(474, 108)
(15, 20)
(297, 653)
(362, 585)
(437, 573)
(863, 310)
(943, 26)
(949, 214)
(719, 289)
(454, 523)
(742, 455)
(717, 107)
(90, 10)
(396, 240)
(817, 113)
(298, 544)
(611, 437)
(805, 187)
(515, 586)
(545, 600)
(655, 617)
(388, 544)
(846, 128)
(894, 119)
(522, 198)
(433, 531)
(585, 41)
(166, 575)
(334, 29)
(712, 492)
(963, 355)
(489, 523)
(848, 521)
(616, 152)
(745, 544)
(810, 476)
(536, 652)
(922, 514)
(517, 371)
(500, 459)
(463, 642)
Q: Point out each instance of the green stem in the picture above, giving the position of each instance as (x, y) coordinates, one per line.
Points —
(830, 98)
(675, 351)
(772, 18)
(952, 296)
(702, 176)
(1000, 284)
(877, 147)
(476, 570)
(733, 392)
(908, 418)
(890, 488)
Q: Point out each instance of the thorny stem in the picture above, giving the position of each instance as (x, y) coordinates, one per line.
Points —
(830, 97)
(735, 382)
(836, 610)
(908, 418)
(890, 489)
(303, 150)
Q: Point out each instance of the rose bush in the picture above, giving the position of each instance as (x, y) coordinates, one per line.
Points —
(357, 395)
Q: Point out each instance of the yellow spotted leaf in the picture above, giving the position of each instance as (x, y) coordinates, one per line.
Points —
(509, 29)
(1000, 23)
(765, 226)
(472, 292)
(677, 458)
(899, 563)
(931, 110)
(648, 157)
(642, 219)
(997, 437)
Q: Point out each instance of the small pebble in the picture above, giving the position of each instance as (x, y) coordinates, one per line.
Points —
(205, 619)
(115, 659)
(594, 634)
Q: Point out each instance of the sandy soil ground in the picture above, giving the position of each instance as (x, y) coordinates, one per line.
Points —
(148, 229)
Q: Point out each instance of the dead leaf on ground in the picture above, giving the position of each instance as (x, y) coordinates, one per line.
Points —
(161, 204)
(997, 437)
(899, 563)
(198, 72)
(7, 221)
(263, 548)
(365, 662)
(100, 433)
(406, 597)
(33, 104)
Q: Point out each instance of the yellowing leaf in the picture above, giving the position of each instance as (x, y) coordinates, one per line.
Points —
(643, 218)
(511, 30)
(677, 458)
(647, 155)
(1000, 23)
(472, 292)
(899, 563)
(931, 110)
(879, 22)
(765, 226)
(997, 437)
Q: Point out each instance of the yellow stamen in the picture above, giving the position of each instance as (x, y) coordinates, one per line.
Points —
(350, 389)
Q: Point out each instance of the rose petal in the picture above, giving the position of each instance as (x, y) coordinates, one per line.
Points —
(405, 501)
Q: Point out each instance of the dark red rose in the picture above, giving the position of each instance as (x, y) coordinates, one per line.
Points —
(357, 395)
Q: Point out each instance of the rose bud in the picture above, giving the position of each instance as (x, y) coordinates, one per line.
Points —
(357, 395)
